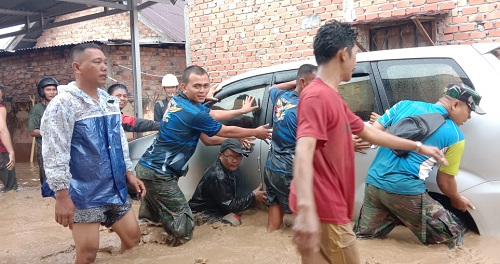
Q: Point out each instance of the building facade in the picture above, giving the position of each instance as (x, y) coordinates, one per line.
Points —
(231, 37)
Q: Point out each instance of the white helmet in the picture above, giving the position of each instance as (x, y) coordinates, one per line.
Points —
(169, 80)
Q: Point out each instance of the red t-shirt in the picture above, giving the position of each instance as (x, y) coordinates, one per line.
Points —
(323, 114)
(2, 147)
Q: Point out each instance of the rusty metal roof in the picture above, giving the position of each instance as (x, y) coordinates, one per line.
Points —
(166, 20)
(163, 16)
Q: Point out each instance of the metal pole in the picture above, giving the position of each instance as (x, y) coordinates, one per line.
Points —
(136, 58)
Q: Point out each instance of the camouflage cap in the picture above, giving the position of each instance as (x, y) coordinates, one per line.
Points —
(465, 94)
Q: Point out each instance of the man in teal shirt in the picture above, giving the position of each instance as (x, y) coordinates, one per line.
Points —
(395, 191)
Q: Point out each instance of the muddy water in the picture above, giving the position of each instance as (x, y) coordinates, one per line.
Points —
(29, 234)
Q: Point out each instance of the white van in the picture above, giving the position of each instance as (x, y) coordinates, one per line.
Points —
(381, 79)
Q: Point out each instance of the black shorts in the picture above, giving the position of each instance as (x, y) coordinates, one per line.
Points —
(277, 189)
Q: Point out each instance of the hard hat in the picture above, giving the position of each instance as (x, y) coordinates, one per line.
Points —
(169, 80)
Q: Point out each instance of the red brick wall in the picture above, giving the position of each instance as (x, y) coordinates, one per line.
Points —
(228, 38)
(110, 27)
(156, 63)
(21, 71)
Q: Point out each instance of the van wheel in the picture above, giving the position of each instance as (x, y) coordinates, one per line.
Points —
(464, 216)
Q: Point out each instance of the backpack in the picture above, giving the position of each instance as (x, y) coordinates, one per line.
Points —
(417, 128)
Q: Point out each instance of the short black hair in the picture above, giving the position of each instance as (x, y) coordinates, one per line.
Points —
(331, 38)
(117, 86)
(192, 69)
(305, 70)
(80, 48)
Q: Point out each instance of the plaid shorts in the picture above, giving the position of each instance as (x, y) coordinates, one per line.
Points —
(106, 215)
(424, 216)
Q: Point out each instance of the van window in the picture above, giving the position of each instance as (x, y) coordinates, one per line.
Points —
(419, 79)
(234, 100)
(358, 93)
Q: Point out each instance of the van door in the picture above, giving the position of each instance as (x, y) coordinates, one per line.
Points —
(361, 96)
(231, 97)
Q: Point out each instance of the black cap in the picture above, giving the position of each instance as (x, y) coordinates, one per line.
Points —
(234, 145)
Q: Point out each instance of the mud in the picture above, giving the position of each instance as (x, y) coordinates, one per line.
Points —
(29, 234)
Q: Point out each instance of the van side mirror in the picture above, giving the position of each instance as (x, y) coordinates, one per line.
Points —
(360, 71)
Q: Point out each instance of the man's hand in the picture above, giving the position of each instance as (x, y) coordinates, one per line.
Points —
(264, 133)
(64, 209)
(260, 195)
(247, 142)
(211, 93)
(360, 145)
(247, 105)
(462, 203)
(373, 117)
(306, 232)
(433, 152)
(136, 184)
(12, 161)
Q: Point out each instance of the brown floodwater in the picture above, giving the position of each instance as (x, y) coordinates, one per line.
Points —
(29, 234)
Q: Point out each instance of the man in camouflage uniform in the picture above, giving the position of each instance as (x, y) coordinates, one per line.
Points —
(395, 190)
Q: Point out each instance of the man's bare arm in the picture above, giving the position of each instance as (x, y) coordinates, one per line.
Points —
(448, 186)
(306, 228)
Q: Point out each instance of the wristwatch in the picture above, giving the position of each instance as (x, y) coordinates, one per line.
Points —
(417, 148)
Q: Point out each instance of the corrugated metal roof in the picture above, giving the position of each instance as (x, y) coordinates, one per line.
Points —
(166, 20)
(49, 9)
(109, 42)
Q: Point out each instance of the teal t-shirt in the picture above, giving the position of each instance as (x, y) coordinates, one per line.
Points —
(407, 175)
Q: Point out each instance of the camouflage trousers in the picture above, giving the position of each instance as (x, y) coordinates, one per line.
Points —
(165, 203)
(424, 216)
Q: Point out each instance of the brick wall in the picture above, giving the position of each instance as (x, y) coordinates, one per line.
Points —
(110, 27)
(155, 62)
(20, 72)
(231, 37)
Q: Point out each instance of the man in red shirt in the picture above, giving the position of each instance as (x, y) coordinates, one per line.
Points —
(322, 190)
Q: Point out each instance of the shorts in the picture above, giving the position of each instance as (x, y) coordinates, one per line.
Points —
(431, 223)
(337, 245)
(277, 189)
(165, 203)
(106, 215)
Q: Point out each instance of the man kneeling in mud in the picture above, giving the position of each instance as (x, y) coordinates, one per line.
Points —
(215, 198)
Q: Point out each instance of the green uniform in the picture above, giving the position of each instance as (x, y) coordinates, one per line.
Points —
(35, 118)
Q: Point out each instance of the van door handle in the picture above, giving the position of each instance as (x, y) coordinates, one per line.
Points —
(258, 164)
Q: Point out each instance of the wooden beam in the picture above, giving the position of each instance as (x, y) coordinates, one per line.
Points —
(421, 29)
(360, 46)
